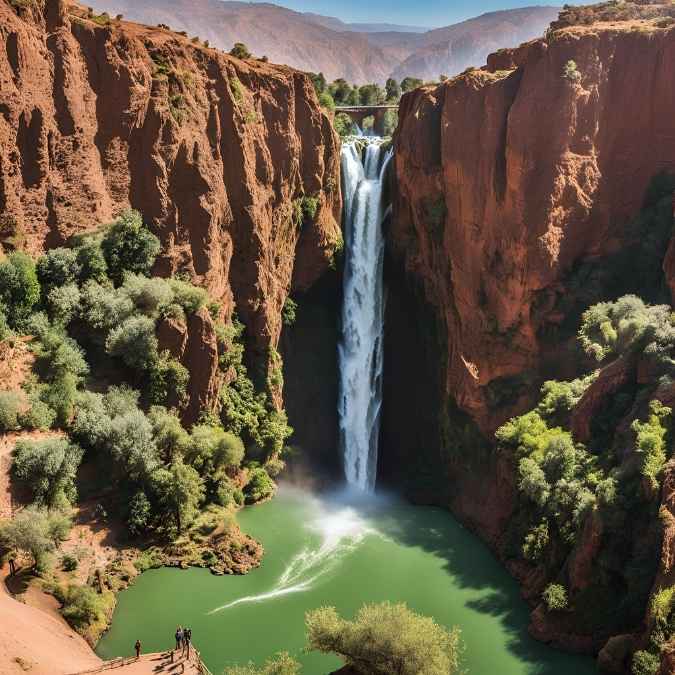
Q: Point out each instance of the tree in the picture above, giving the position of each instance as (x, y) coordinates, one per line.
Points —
(172, 440)
(64, 303)
(91, 261)
(180, 490)
(370, 94)
(393, 89)
(260, 486)
(134, 341)
(128, 246)
(140, 513)
(319, 82)
(48, 468)
(132, 446)
(57, 267)
(104, 307)
(385, 638)
(240, 51)
(326, 101)
(410, 83)
(212, 448)
(148, 294)
(34, 532)
(19, 287)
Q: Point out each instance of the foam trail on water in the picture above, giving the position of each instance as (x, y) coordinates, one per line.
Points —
(341, 531)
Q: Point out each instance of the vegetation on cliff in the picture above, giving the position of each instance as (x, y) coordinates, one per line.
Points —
(91, 313)
(598, 493)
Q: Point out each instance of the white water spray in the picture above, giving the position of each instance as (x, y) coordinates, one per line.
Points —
(360, 349)
(340, 530)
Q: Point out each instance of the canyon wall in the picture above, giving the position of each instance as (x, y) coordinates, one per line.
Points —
(517, 194)
(509, 180)
(217, 153)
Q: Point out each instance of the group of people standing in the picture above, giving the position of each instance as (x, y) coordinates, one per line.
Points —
(183, 640)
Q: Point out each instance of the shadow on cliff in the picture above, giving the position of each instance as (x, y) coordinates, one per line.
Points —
(474, 568)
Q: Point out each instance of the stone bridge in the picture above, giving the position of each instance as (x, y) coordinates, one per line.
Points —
(358, 113)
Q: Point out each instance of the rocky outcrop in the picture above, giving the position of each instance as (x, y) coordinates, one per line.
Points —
(510, 178)
(97, 116)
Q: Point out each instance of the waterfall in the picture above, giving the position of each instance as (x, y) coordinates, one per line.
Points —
(360, 349)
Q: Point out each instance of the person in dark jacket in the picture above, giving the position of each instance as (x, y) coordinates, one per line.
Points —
(137, 647)
(179, 637)
(187, 639)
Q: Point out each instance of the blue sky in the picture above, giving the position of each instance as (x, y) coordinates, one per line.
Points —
(430, 13)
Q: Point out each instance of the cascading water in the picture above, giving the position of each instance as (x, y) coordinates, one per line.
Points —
(360, 349)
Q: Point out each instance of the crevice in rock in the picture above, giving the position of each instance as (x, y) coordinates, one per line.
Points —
(512, 84)
(29, 141)
(12, 47)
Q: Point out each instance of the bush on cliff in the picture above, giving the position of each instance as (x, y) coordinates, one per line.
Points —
(385, 638)
(19, 288)
(280, 664)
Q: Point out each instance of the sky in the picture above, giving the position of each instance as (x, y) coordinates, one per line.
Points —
(430, 13)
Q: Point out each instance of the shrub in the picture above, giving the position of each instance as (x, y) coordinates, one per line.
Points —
(69, 563)
(326, 101)
(280, 664)
(570, 72)
(39, 415)
(120, 400)
(310, 206)
(385, 638)
(240, 51)
(170, 437)
(169, 380)
(555, 597)
(343, 125)
(289, 311)
(11, 405)
(104, 307)
(134, 342)
(91, 262)
(48, 468)
(213, 448)
(64, 303)
(149, 295)
(662, 604)
(536, 541)
(19, 287)
(650, 441)
(82, 606)
(645, 663)
(260, 486)
(91, 425)
(191, 298)
(57, 267)
(140, 514)
(128, 246)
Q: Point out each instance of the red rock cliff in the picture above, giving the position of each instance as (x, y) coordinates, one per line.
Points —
(214, 151)
(509, 176)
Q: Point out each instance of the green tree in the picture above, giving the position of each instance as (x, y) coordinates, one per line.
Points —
(34, 532)
(48, 467)
(370, 94)
(57, 267)
(392, 89)
(91, 261)
(326, 101)
(240, 51)
(319, 82)
(132, 446)
(385, 638)
(410, 83)
(180, 490)
(139, 515)
(134, 341)
(19, 287)
(128, 246)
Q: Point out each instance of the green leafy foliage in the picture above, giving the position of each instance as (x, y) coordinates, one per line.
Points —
(259, 486)
(19, 288)
(555, 597)
(180, 489)
(128, 246)
(134, 341)
(240, 51)
(11, 405)
(650, 441)
(280, 664)
(48, 468)
(385, 638)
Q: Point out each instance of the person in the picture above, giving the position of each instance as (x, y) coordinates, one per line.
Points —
(137, 647)
(187, 638)
(179, 637)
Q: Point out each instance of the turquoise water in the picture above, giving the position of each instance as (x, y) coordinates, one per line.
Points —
(332, 553)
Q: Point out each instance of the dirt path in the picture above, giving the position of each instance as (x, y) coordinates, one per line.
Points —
(150, 664)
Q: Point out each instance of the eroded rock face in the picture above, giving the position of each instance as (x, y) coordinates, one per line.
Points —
(511, 176)
(213, 151)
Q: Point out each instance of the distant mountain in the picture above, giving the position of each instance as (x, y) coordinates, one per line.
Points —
(454, 48)
(358, 52)
(336, 24)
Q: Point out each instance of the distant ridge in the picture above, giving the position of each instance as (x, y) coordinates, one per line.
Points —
(360, 52)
